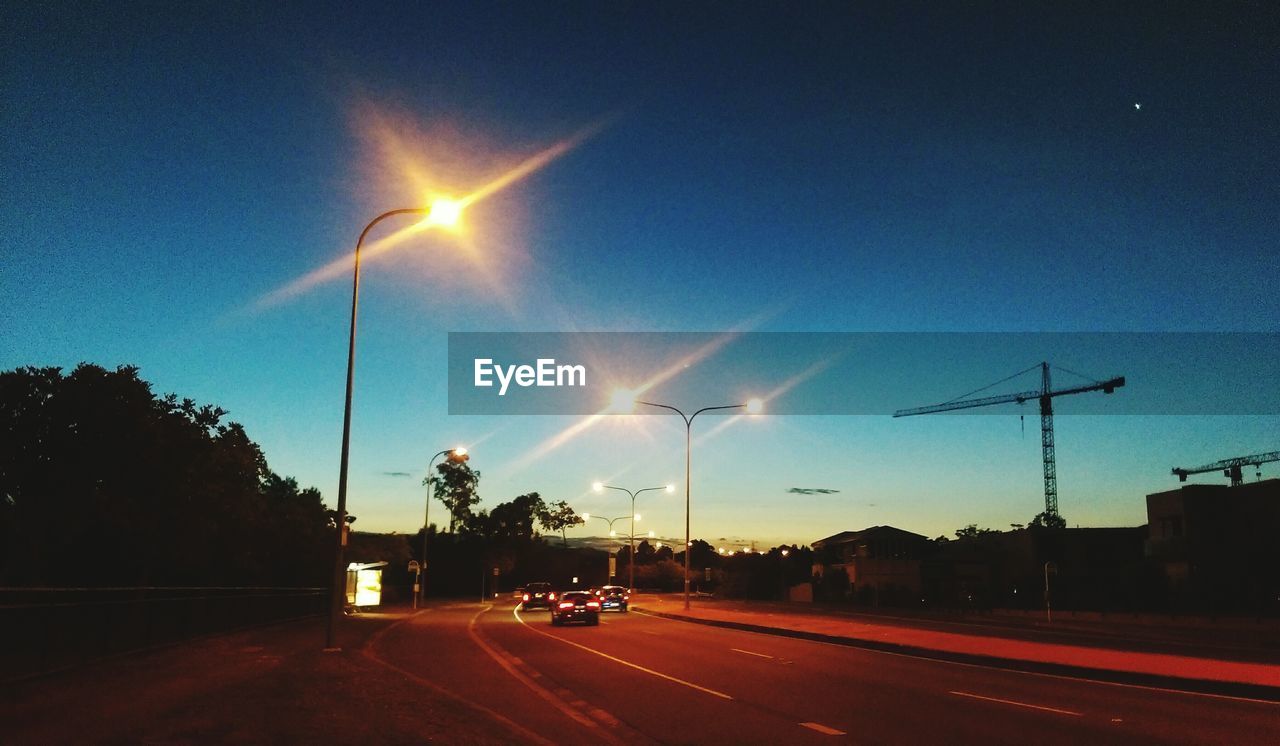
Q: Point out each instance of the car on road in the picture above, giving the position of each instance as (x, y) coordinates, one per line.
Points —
(537, 596)
(576, 606)
(518, 594)
(613, 597)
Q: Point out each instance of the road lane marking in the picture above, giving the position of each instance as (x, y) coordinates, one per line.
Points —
(824, 729)
(748, 652)
(629, 664)
(537, 688)
(1017, 704)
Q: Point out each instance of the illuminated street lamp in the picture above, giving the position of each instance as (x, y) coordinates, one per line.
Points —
(443, 214)
(631, 558)
(588, 516)
(457, 455)
(753, 406)
(612, 534)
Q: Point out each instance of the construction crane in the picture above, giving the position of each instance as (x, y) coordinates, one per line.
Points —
(1045, 395)
(1231, 467)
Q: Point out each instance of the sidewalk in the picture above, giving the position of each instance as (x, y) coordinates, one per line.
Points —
(1206, 675)
(267, 685)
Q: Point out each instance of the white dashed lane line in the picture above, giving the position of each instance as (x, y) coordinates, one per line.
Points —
(748, 652)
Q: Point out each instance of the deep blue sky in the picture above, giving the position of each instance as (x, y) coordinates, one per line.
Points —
(870, 168)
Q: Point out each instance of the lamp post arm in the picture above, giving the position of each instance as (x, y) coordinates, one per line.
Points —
(382, 217)
(630, 494)
(648, 489)
(711, 409)
(687, 420)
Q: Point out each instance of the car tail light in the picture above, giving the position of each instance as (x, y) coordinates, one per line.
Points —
(567, 605)
(593, 604)
(526, 597)
(626, 598)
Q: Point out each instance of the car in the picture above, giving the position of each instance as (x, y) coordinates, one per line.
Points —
(576, 606)
(518, 594)
(537, 595)
(613, 597)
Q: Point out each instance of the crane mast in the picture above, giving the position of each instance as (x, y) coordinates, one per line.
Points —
(1045, 396)
(1046, 444)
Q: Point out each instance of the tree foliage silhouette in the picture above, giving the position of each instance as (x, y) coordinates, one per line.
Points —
(456, 485)
(103, 482)
(559, 516)
(1048, 520)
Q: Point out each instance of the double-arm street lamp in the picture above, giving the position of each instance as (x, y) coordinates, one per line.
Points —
(612, 534)
(457, 455)
(631, 558)
(753, 406)
(441, 213)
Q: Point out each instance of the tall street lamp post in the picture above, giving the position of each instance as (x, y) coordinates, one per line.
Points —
(753, 406)
(458, 455)
(631, 558)
(612, 533)
(442, 213)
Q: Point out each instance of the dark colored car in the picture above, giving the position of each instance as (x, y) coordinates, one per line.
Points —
(537, 596)
(576, 606)
(613, 597)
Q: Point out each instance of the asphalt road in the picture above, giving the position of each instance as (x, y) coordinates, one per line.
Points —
(642, 679)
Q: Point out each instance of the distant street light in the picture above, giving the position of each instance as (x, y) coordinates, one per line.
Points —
(631, 558)
(753, 406)
(444, 214)
(457, 455)
(612, 534)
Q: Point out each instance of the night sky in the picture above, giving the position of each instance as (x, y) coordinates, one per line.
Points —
(169, 169)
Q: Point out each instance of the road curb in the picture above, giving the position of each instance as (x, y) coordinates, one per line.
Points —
(1132, 678)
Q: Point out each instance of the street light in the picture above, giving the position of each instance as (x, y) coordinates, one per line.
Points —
(631, 558)
(753, 406)
(612, 534)
(457, 455)
(444, 214)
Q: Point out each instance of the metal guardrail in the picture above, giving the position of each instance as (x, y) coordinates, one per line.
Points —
(47, 629)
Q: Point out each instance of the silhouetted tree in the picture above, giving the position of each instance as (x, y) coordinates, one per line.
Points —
(702, 555)
(103, 482)
(559, 516)
(972, 531)
(456, 485)
(516, 520)
(1048, 520)
(645, 554)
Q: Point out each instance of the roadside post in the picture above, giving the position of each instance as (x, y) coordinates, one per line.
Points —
(1049, 568)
